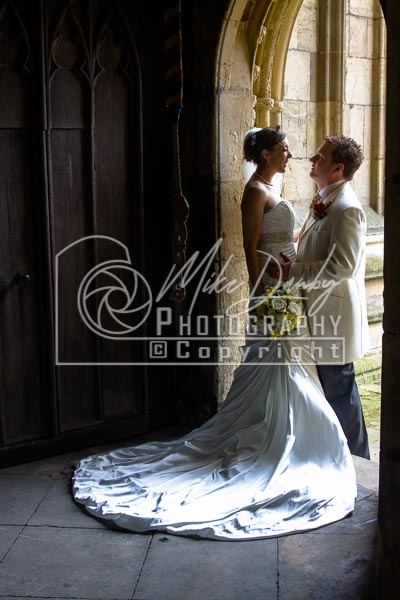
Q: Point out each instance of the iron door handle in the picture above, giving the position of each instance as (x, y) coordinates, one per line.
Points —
(22, 278)
(18, 279)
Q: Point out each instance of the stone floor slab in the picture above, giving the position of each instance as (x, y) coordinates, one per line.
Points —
(54, 598)
(365, 492)
(367, 472)
(58, 509)
(363, 521)
(332, 567)
(8, 535)
(20, 495)
(45, 466)
(73, 563)
(178, 568)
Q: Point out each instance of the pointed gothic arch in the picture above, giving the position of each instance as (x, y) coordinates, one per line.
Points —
(250, 74)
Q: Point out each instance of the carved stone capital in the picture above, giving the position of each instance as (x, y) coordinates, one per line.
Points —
(278, 106)
(266, 103)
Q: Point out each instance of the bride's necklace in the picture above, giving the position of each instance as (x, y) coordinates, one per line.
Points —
(264, 180)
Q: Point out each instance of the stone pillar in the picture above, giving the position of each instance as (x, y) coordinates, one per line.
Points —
(268, 112)
(276, 113)
(263, 111)
(270, 60)
(389, 501)
(378, 116)
(330, 69)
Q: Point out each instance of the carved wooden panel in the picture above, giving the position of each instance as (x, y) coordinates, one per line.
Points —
(23, 391)
(70, 168)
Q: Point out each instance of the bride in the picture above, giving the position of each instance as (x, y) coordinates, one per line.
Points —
(274, 459)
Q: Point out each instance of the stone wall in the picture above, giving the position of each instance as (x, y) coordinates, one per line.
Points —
(361, 102)
(299, 115)
(349, 96)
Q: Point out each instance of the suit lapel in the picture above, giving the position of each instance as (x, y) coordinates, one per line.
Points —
(306, 226)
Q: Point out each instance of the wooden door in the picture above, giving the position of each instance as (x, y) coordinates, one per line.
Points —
(70, 148)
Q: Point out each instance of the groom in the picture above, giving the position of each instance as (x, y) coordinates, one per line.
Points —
(330, 267)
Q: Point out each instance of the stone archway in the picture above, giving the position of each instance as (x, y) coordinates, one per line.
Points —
(251, 64)
(252, 89)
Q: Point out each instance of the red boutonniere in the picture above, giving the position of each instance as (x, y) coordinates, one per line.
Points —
(320, 210)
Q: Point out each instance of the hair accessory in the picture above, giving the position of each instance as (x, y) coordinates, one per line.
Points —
(253, 140)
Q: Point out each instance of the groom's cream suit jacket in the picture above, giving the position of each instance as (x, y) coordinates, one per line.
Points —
(331, 253)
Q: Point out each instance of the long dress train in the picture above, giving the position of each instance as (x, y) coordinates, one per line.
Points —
(274, 459)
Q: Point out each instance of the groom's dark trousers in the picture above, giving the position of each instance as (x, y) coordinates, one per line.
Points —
(340, 389)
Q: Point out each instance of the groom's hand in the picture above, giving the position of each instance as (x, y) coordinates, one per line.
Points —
(279, 270)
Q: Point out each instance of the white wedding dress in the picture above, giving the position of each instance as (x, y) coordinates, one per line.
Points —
(273, 460)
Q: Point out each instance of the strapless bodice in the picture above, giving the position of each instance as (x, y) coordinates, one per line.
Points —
(277, 235)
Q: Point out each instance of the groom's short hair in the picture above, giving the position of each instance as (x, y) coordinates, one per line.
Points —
(347, 151)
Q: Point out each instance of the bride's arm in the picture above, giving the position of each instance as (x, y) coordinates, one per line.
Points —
(253, 206)
(296, 233)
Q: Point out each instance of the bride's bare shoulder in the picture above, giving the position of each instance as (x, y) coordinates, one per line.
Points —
(255, 195)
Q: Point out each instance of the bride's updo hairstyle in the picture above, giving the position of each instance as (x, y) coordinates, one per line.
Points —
(256, 140)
